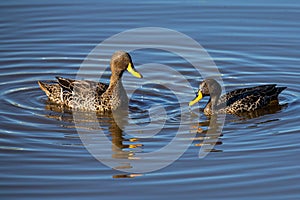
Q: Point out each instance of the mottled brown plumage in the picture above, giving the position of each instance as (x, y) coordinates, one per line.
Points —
(90, 95)
(240, 100)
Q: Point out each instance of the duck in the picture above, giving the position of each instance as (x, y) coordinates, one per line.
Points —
(89, 95)
(237, 101)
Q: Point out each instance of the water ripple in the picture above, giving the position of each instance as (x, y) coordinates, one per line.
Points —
(42, 154)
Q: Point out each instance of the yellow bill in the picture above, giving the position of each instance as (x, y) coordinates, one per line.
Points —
(133, 71)
(198, 98)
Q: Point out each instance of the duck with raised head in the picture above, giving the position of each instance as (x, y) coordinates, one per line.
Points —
(237, 101)
(93, 96)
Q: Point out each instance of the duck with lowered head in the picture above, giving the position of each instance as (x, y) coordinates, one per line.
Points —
(237, 101)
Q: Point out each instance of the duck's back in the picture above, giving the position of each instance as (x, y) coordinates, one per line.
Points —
(82, 86)
(249, 99)
(81, 94)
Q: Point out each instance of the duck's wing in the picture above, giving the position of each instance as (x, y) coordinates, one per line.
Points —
(86, 92)
(248, 103)
(73, 93)
(81, 86)
(238, 94)
(249, 99)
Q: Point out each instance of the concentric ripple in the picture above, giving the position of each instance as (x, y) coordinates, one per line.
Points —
(252, 43)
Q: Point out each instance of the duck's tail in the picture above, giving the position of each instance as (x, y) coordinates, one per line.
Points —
(45, 87)
(280, 89)
(53, 91)
(274, 96)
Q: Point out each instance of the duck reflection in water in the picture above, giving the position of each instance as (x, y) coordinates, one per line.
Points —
(208, 133)
(123, 148)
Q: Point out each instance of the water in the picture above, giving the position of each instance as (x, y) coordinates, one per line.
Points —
(252, 43)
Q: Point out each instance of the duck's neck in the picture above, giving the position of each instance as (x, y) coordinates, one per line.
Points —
(115, 87)
(115, 93)
(211, 106)
(114, 81)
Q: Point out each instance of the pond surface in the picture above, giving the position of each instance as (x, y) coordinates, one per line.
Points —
(41, 150)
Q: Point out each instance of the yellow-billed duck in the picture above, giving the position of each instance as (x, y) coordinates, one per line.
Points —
(236, 101)
(93, 96)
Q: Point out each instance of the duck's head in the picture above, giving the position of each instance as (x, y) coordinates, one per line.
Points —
(208, 87)
(121, 61)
